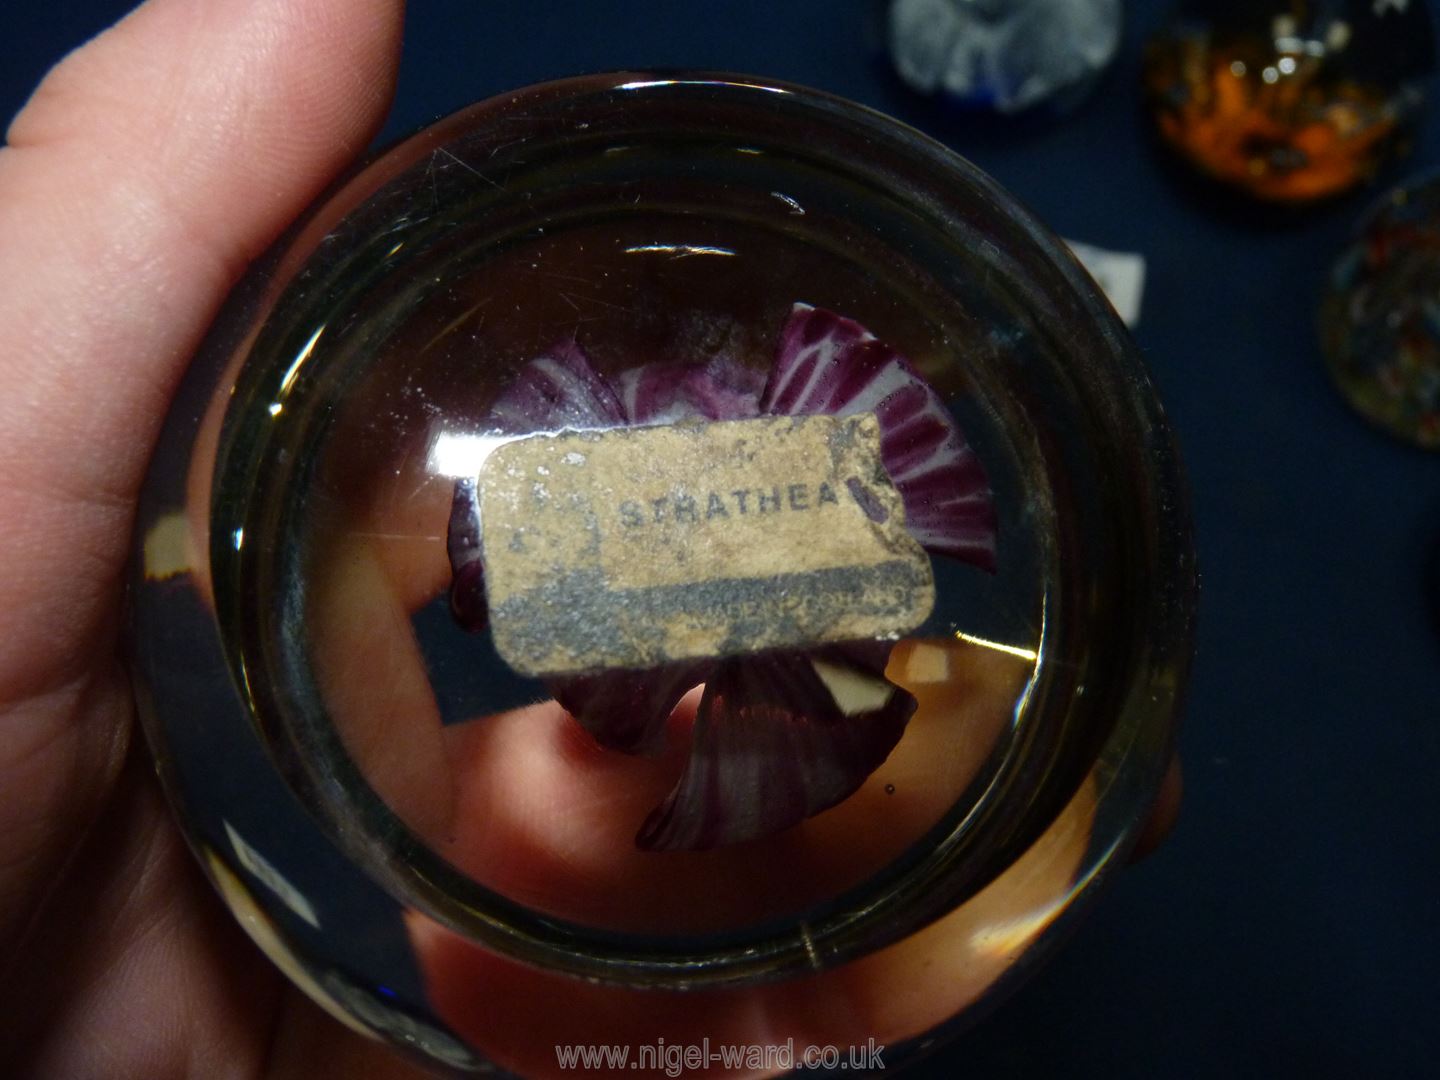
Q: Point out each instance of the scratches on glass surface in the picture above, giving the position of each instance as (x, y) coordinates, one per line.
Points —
(446, 153)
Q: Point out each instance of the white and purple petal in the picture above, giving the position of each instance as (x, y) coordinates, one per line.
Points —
(828, 364)
(667, 393)
(627, 710)
(778, 738)
(557, 391)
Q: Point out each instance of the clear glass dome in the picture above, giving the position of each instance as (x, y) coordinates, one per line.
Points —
(790, 834)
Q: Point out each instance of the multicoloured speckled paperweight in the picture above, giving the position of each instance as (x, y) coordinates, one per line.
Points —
(1380, 319)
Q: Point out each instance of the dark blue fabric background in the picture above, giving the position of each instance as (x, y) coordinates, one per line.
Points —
(1290, 926)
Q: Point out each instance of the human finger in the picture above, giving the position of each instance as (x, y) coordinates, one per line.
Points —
(147, 169)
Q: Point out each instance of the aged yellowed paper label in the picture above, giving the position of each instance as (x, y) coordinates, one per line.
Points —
(636, 547)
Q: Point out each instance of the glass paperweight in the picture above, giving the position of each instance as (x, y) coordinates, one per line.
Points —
(1006, 56)
(1290, 101)
(663, 562)
(1380, 318)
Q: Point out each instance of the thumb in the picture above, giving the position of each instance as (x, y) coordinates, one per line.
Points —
(146, 171)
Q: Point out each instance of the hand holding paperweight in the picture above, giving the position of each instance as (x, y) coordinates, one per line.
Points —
(684, 557)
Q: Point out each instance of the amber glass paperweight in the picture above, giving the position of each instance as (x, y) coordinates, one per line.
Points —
(682, 565)
(1290, 101)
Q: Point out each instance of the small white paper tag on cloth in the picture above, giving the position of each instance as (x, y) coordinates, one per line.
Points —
(1120, 275)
